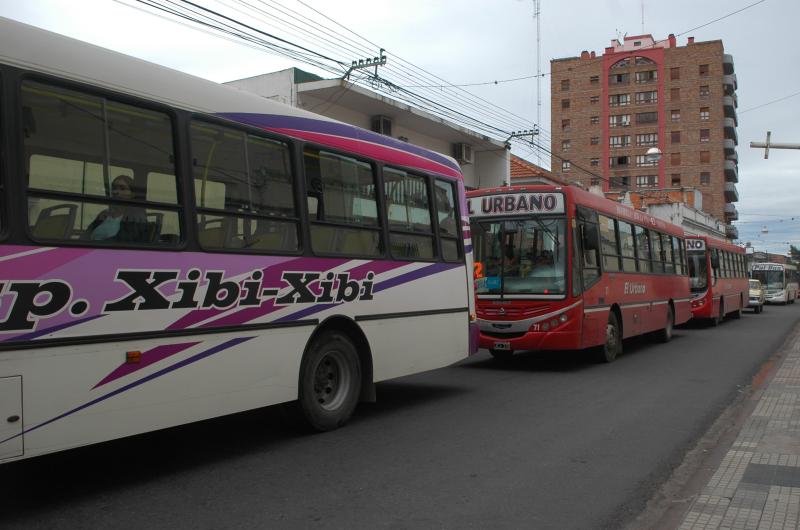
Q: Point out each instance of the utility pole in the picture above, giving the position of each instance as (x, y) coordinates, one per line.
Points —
(766, 145)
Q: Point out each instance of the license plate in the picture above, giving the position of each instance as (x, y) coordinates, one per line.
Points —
(502, 345)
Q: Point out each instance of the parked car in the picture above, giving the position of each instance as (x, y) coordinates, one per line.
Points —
(756, 296)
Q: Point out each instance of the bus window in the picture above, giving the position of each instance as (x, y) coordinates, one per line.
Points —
(83, 145)
(658, 251)
(643, 249)
(408, 210)
(608, 244)
(626, 245)
(243, 191)
(341, 193)
(667, 246)
(448, 220)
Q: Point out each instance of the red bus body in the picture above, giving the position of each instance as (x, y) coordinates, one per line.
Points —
(719, 284)
(578, 317)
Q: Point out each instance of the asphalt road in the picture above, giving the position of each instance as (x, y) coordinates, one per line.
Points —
(546, 441)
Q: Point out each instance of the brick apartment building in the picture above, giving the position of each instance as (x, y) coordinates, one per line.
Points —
(608, 110)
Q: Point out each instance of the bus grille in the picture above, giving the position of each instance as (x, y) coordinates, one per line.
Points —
(503, 335)
(511, 312)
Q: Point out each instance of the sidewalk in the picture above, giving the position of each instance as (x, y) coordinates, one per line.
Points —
(757, 485)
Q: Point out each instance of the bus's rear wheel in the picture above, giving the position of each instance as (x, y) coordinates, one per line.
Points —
(330, 379)
(613, 345)
(665, 335)
(738, 312)
(717, 320)
(501, 355)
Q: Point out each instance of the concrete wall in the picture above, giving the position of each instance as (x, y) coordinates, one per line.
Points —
(278, 86)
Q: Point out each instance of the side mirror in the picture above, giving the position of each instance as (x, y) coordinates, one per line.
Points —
(715, 261)
(590, 238)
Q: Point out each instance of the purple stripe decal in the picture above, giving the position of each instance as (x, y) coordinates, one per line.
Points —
(149, 357)
(41, 332)
(335, 128)
(185, 362)
(307, 311)
(415, 275)
(467, 248)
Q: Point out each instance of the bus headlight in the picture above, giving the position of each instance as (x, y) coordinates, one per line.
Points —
(563, 318)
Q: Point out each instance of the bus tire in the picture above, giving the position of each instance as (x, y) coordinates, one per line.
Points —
(717, 320)
(501, 355)
(665, 335)
(613, 344)
(330, 380)
(738, 312)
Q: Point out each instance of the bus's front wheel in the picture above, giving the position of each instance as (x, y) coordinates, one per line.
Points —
(613, 345)
(330, 379)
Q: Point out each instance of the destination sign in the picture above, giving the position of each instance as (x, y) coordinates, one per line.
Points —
(515, 204)
(695, 244)
(767, 267)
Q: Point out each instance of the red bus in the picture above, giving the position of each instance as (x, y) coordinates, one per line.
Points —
(718, 276)
(559, 268)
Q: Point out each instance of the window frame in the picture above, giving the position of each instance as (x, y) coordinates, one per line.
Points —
(181, 205)
(432, 214)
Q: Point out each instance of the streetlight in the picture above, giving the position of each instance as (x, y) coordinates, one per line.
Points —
(653, 154)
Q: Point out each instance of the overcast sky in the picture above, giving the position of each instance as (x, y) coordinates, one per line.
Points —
(474, 41)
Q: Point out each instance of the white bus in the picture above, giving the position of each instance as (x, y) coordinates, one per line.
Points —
(779, 281)
(173, 250)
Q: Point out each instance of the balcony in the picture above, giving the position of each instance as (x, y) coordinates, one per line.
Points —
(731, 195)
(730, 130)
(729, 104)
(733, 157)
(731, 171)
(730, 147)
(729, 84)
(727, 64)
(731, 214)
(731, 232)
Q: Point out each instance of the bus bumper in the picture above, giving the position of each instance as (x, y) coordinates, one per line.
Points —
(534, 340)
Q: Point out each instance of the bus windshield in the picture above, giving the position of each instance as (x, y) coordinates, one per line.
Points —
(770, 279)
(698, 270)
(520, 256)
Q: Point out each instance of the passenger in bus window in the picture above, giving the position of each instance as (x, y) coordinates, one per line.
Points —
(120, 222)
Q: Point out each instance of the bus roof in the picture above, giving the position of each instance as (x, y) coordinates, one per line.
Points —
(35, 49)
(713, 242)
(579, 196)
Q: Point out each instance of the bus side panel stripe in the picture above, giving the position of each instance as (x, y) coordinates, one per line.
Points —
(53, 329)
(202, 355)
(149, 357)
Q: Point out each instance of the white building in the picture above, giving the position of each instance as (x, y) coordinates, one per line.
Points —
(484, 161)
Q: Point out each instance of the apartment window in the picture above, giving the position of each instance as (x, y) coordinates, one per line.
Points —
(564, 103)
(674, 74)
(675, 159)
(594, 162)
(619, 141)
(644, 161)
(619, 182)
(704, 70)
(675, 137)
(705, 157)
(565, 165)
(594, 120)
(566, 144)
(594, 99)
(565, 84)
(675, 94)
(594, 140)
(617, 161)
(646, 98)
(705, 114)
(647, 139)
(705, 135)
(646, 181)
(675, 115)
(623, 63)
(619, 79)
(594, 181)
(619, 100)
(647, 76)
(647, 117)
(565, 125)
(675, 180)
(704, 91)
(619, 120)
(594, 80)
(705, 178)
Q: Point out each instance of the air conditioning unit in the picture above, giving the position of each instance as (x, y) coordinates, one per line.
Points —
(462, 153)
(382, 125)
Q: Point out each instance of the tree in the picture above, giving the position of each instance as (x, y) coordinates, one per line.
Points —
(794, 254)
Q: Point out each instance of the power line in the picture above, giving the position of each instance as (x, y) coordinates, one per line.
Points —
(770, 102)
